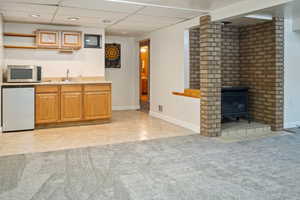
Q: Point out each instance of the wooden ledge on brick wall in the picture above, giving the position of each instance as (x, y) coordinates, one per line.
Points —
(194, 93)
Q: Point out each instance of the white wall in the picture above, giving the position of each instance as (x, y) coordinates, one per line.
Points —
(125, 88)
(291, 76)
(1, 52)
(85, 62)
(167, 75)
(1, 60)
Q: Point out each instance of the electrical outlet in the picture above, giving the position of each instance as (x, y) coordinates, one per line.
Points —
(160, 108)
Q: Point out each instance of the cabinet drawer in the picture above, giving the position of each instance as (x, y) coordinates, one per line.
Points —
(71, 88)
(46, 89)
(92, 88)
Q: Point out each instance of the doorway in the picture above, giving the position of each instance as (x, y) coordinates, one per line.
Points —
(144, 75)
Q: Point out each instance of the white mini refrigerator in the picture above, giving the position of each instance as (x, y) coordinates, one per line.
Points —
(17, 108)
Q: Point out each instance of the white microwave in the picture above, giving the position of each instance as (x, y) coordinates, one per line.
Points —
(23, 73)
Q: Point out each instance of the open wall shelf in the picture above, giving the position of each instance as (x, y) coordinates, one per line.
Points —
(19, 47)
(11, 34)
(19, 34)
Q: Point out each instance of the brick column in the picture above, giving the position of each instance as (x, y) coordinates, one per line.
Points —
(194, 41)
(210, 77)
(278, 95)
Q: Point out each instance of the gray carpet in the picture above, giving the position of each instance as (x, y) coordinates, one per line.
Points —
(189, 168)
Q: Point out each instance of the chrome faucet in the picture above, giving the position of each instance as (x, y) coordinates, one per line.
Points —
(67, 77)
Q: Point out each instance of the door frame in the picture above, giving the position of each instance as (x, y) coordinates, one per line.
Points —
(145, 42)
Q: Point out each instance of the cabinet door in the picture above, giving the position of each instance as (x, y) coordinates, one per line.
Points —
(97, 105)
(71, 40)
(46, 108)
(47, 39)
(71, 106)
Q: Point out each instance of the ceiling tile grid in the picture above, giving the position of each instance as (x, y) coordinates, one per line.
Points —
(124, 16)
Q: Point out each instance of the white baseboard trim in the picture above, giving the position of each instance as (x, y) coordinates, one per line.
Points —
(291, 124)
(172, 120)
(133, 107)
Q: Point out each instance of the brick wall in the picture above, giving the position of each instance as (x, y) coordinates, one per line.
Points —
(230, 56)
(229, 61)
(194, 42)
(210, 77)
(261, 65)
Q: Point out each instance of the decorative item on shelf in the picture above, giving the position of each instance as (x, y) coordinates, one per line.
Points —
(47, 39)
(92, 41)
(112, 55)
(71, 40)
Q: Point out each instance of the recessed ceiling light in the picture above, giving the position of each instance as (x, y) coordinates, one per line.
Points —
(73, 18)
(106, 21)
(35, 15)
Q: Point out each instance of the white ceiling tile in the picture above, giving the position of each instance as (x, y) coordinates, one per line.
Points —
(34, 9)
(169, 12)
(153, 19)
(101, 5)
(140, 26)
(204, 5)
(79, 12)
(83, 21)
(32, 1)
(25, 17)
(181, 4)
(124, 32)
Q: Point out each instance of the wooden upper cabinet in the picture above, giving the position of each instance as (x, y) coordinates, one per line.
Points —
(71, 106)
(47, 39)
(46, 104)
(71, 39)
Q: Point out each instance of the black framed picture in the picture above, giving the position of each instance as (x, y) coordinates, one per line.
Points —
(112, 55)
(92, 41)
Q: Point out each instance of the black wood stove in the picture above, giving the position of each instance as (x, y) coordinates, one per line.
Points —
(234, 103)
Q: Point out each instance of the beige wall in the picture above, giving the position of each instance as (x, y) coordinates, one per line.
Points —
(167, 74)
(125, 81)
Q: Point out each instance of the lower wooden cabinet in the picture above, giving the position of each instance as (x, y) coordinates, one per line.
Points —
(71, 106)
(47, 108)
(97, 105)
(67, 103)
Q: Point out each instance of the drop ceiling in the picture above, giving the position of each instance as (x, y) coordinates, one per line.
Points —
(128, 17)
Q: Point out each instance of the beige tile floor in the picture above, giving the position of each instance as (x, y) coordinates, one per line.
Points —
(126, 126)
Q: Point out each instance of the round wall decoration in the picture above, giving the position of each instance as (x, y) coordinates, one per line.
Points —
(112, 56)
(112, 52)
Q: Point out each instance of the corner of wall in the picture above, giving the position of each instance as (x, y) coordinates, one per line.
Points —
(172, 120)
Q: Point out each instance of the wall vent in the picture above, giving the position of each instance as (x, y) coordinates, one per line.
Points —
(160, 108)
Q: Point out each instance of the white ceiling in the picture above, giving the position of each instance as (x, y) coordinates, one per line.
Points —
(132, 17)
(288, 11)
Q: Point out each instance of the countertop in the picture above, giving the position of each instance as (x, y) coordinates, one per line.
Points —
(58, 83)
